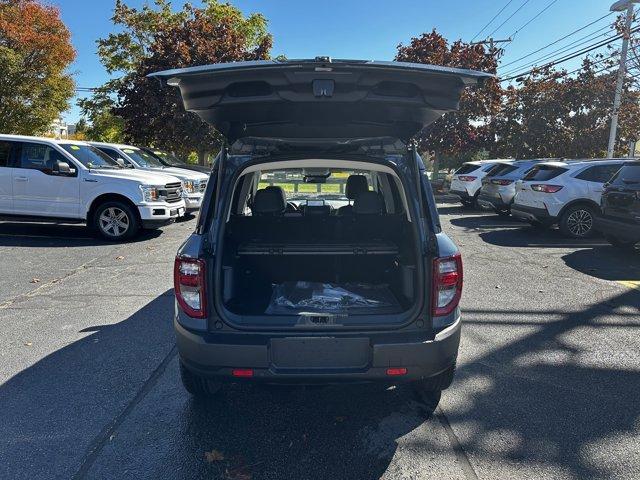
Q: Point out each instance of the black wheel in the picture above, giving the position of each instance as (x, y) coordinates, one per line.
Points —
(115, 221)
(577, 221)
(619, 243)
(196, 385)
(430, 389)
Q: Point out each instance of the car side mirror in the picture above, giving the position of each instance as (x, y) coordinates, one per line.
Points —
(120, 162)
(63, 169)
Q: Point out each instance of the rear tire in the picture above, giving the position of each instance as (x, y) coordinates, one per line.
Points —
(619, 243)
(430, 389)
(115, 221)
(577, 221)
(198, 386)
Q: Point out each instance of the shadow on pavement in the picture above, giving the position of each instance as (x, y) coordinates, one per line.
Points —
(551, 399)
(62, 416)
(606, 263)
(48, 235)
(54, 408)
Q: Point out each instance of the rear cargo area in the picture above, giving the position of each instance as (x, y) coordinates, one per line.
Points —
(350, 265)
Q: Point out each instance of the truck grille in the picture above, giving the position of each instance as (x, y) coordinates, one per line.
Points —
(172, 192)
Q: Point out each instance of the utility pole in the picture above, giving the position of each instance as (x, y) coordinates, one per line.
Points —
(491, 42)
(619, 6)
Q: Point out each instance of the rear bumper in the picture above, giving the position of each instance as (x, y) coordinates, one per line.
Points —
(527, 213)
(617, 228)
(463, 194)
(491, 202)
(214, 356)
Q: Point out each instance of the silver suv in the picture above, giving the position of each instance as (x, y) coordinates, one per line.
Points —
(499, 186)
(467, 180)
(566, 192)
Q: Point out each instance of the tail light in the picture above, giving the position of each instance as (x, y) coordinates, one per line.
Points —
(502, 182)
(546, 188)
(447, 285)
(466, 178)
(189, 285)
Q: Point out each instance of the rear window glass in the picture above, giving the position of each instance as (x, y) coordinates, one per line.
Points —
(467, 168)
(501, 169)
(627, 174)
(544, 172)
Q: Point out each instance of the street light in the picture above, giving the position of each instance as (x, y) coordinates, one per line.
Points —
(620, 6)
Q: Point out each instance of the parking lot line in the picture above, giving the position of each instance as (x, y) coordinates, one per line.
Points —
(630, 283)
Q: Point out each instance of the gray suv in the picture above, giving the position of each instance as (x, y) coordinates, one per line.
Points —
(318, 255)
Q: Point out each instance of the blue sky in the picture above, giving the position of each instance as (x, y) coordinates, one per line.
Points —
(368, 29)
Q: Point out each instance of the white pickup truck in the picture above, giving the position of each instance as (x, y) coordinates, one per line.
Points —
(132, 157)
(64, 180)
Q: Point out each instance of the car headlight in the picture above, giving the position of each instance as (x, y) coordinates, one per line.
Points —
(189, 186)
(150, 193)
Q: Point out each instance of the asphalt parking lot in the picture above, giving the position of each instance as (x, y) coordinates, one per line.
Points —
(547, 387)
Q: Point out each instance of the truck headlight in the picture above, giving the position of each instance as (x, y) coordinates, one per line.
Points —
(150, 193)
(189, 186)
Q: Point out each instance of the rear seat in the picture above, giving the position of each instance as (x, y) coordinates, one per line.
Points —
(269, 224)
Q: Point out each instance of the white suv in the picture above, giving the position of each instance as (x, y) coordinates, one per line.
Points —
(467, 180)
(134, 157)
(565, 192)
(72, 181)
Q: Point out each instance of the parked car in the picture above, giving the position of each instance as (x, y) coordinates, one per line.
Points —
(564, 192)
(319, 294)
(467, 180)
(619, 219)
(499, 185)
(64, 180)
(135, 158)
(170, 160)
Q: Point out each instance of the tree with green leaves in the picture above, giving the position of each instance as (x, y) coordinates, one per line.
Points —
(35, 53)
(157, 38)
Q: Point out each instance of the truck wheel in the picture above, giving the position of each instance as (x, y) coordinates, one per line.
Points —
(619, 243)
(577, 221)
(115, 221)
(197, 385)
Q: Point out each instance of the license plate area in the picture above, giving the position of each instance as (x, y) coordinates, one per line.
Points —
(320, 353)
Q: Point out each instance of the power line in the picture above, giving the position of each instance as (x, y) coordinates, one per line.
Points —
(509, 18)
(491, 21)
(557, 41)
(570, 56)
(534, 17)
(551, 55)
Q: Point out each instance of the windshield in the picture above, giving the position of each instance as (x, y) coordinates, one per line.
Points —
(90, 156)
(299, 192)
(168, 158)
(143, 159)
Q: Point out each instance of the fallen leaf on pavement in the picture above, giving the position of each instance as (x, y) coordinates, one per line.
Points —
(27, 344)
(213, 456)
(35, 280)
(120, 257)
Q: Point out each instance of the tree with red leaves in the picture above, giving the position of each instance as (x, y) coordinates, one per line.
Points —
(35, 52)
(465, 132)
